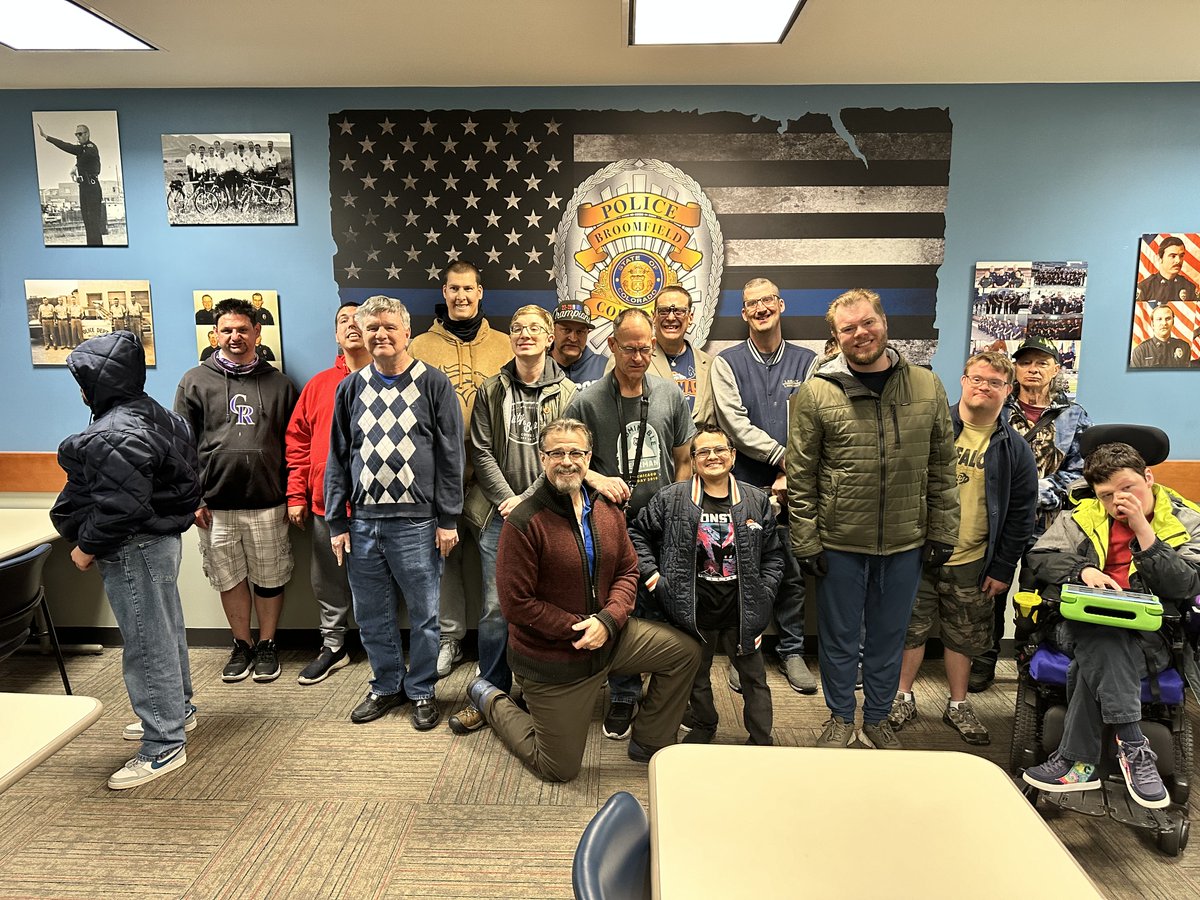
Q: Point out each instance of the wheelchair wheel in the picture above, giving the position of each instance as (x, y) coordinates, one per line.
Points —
(1174, 841)
(1025, 730)
(1185, 759)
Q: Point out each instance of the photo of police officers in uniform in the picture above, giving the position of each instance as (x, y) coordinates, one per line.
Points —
(80, 184)
(1166, 313)
(229, 179)
(65, 313)
(266, 314)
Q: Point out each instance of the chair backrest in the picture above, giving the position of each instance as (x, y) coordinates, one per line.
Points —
(20, 593)
(613, 857)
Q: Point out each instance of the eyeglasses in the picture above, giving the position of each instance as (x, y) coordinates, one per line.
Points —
(535, 329)
(573, 455)
(706, 452)
(996, 384)
(666, 312)
(636, 351)
(768, 301)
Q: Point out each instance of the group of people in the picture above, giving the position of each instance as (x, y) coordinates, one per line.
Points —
(1059, 275)
(230, 165)
(62, 320)
(631, 516)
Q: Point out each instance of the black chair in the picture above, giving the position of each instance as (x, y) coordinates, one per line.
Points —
(612, 861)
(21, 598)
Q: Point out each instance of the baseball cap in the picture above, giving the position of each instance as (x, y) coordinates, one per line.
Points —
(573, 312)
(1041, 344)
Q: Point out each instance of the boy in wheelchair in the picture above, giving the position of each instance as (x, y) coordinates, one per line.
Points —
(1133, 535)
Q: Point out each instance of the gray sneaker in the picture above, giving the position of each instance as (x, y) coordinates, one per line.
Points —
(734, 679)
(903, 712)
(963, 719)
(880, 736)
(449, 655)
(799, 677)
(838, 733)
(1141, 774)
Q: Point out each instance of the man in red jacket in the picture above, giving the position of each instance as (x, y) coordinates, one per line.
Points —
(307, 446)
(567, 577)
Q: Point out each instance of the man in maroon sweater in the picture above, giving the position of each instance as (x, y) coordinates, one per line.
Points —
(567, 577)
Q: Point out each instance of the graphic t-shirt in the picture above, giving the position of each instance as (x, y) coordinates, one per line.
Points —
(971, 446)
(716, 566)
(683, 370)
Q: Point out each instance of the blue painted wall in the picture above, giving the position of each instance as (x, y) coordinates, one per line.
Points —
(1047, 172)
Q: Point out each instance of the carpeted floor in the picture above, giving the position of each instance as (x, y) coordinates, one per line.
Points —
(283, 797)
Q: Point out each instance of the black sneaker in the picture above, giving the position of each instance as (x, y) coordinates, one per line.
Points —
(266, 661)
(241, 661)
(619, 721)
(327, 661)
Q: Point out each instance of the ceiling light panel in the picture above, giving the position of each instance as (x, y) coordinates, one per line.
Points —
(60, 25)
(711, 21)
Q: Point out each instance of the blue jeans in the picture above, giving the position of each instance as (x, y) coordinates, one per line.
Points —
(789, 602)
(870, 598)
(493, 629)
(386, 554)
(140, 578)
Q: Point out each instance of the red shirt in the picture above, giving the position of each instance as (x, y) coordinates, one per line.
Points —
(1116, 566)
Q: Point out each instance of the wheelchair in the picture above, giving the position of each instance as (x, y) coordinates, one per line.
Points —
(1041, 706)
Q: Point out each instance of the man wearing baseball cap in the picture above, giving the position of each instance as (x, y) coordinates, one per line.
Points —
(579, 362)
(1051, 422)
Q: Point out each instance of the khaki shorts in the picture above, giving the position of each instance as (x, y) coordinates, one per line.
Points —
(952, 596)
(247, 543)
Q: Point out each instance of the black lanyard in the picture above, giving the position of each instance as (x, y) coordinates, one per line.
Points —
(643, 413)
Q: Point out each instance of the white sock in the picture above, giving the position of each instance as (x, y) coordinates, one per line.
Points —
(905, 695)
(955, 704)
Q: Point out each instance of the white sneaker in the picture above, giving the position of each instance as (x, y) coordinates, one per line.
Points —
(139, 771)
(134, 730)
(449, 655)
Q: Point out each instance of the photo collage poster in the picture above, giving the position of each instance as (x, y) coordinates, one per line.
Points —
(1016, 300)
(1166, 316)
(266, 314)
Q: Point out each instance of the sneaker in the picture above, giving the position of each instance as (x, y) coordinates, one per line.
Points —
(734, 680)
(838, 733)
(1060, 775)
(641, 754)
(425, 714)
(374, 706)
(449, 655)
(962, 718)
(134, 730)
(466, 720)
(241, 661)
(619, 721)
(139, 770)
(903, 712)
(266, 661)
(1141, 774)
(983, 673)
(699, 735)
(880, 736)
(858, 678)
(327, 662)
(799, 677)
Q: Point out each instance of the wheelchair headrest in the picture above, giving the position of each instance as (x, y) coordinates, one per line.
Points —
(1152, 443)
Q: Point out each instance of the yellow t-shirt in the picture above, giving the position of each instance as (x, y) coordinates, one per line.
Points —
(971, 446)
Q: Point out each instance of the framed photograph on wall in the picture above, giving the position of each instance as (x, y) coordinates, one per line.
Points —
(229, 179)
(1166, 314)
(265, 306)
(80, 185)
(64, 313)
(1040, 298)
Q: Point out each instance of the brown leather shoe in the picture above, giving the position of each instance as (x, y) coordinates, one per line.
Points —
(466, 720)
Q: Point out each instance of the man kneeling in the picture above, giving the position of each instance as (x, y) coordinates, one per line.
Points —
(1134, 535)
(567, 576)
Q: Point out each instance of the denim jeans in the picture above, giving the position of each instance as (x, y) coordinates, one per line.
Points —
(386, 554)
(870, 597)
(140, 578)
(493, 629)
(789, 602)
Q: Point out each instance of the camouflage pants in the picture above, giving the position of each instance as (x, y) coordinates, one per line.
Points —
(951, 596)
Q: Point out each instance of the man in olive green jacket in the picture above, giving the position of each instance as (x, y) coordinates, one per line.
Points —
(873, 498)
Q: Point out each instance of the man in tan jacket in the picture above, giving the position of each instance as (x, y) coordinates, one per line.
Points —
(462, 344)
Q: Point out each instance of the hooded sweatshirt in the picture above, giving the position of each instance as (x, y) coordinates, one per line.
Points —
(307, 445)
(134, 469)
(239, 422)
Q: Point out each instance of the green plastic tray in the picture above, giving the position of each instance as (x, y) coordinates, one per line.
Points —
(1121, 609)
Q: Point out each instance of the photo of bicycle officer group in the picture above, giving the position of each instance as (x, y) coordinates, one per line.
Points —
(228, 179)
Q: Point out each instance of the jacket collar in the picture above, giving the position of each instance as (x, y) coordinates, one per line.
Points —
(735, 494)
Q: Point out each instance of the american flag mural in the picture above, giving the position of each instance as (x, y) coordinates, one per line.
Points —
(1187, 315)
(815, 211)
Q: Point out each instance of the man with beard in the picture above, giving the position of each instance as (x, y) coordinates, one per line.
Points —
(873, 497)
(567, 577)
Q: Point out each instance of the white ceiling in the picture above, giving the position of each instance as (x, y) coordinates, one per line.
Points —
(360, 43)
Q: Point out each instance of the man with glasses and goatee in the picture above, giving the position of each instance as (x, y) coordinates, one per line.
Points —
(753, 383)
(642, 429)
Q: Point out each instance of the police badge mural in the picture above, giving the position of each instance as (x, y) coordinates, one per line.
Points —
(633, 228)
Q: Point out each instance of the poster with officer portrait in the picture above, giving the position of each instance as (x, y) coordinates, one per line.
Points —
(81, 189)
(64, 313)
(1166, 319)
(229, 179)
(265, 313)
